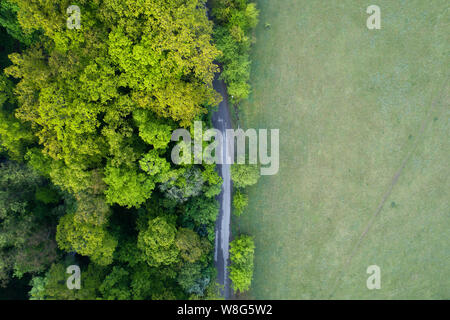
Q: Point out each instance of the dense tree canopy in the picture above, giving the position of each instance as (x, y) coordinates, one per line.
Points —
(26, 242)
(86, 118)
(81, 89)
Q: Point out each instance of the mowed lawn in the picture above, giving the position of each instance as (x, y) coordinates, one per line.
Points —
(359, 111)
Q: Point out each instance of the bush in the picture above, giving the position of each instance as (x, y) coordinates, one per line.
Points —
(240, 202)
(241, 268)
(244, 175)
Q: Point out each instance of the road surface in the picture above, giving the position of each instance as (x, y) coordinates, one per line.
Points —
(221, 120)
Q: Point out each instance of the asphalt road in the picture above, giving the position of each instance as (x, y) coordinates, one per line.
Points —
(221, 120)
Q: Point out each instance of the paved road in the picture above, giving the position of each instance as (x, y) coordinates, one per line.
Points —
(221, 120)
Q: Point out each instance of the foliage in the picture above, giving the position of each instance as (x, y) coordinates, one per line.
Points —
(116, 285)
(157, 243)
(37, 291)
(186, 184)
(192, 279)
(88, 115)
(214, 182)
(244, 175)
(211, 292)
(154, 283)
(153, 130)
(26, 245)
(235, 19)
(127, 186)
(14, 135)
(8, 19)
(80, 89)
(191, 247)
(53, 285)
(202, 210)
(88, 239)
(241, 268)
(240, 202)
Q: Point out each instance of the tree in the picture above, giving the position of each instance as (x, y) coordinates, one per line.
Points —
(155, 283)
(127, 187)
(14, 135)
(86, 239)
(92, 112)
(244, 175)
(8, 19)
(234, 20)
(211, 292)
(156, 166)
(202, 210)
(192, 279)
(214, 182)
(241, 268)
(157, 243)
(191, 247)
(116, 285)
(135, 66)
(152, 129)
(200, 213)
(240, 202)
(37, 291)
(53, 285)
(186, 184)
(26, 245)
(91, 209)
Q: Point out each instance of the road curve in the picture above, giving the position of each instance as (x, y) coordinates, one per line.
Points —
(221, 120)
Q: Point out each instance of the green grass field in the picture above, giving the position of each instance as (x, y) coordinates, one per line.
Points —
(359, 111)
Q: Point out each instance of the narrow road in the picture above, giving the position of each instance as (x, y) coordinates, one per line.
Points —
(221, 120)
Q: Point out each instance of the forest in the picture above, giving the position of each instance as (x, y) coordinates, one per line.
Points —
(86, 118)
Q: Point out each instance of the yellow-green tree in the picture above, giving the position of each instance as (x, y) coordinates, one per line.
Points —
(80, 89)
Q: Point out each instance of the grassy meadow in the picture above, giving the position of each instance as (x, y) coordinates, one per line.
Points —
(364, 150)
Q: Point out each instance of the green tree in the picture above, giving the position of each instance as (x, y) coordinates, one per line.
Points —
(187, 183)
(152, 129)
(116, 285)
(37, 291)
(191, 247)
(14, 135)
(156, 166)
(234, 20)
(240, 202)
(8, 19)
(241, 268)
(244, 175)
(202, 210)
(155, 283)
(127, 187)
(192, 279)
(26, 243)
(53, 286)
(214, 182)
(86, 239)
(157, 243)
(92, 111)
(134, 66)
